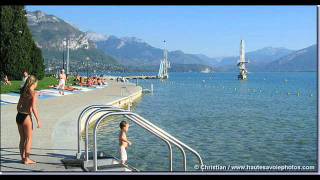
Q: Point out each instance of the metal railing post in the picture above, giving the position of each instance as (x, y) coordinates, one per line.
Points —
(120, 113)
(107, 109)
(79, 122)
(102, 109)
(137, 119)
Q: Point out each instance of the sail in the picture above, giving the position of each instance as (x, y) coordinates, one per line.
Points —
(241, 64)
(242, 53)
(164, 65)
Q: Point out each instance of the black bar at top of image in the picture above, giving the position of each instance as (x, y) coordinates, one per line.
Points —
(160, 2)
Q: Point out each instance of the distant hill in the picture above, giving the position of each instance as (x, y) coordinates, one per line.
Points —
(174, 68)
(208, 60)
(106, 51)
(134, 51)
(301, 60)
(257, 59)
(49, 32)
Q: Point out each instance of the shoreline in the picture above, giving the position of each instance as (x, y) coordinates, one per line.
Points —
(57, 139)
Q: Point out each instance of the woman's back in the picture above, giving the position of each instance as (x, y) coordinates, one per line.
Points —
(25, 102)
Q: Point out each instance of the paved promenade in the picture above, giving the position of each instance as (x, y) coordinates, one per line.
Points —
(57, 139)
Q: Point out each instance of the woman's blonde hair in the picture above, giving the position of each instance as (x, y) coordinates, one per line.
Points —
(31, 80)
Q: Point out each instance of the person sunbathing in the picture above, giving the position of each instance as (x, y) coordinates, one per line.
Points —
(104, 81)
(78, 78)
(6, 80)
(90, 82)
(70, 88)
(76, 81)
(67, 88)
(95, 81)
(52, 86)
(99, 82)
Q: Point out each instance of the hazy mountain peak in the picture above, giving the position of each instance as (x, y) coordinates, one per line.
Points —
(272, 50)
(132, 39)
(121, 44)
(37, 17)
(178, 52)
(301, 60)
(95, 37)
(52, 31)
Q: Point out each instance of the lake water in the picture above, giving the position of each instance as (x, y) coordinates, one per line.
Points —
(269, 119)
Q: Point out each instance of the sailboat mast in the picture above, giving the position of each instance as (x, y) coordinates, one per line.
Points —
(164, 64)
(242, 53)
(242, 67)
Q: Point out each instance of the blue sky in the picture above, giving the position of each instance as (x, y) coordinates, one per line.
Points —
(211, 30)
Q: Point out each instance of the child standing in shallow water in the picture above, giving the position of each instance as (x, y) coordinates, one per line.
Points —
(123, 141)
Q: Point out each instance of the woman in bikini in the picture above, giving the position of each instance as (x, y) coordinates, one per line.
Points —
(27, 104)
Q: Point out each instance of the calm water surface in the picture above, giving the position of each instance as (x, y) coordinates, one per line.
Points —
(270, 119)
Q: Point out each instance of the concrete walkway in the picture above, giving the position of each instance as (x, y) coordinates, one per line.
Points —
(57, 139)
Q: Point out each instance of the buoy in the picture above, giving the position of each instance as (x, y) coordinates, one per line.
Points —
(151, 88)
(288, 93)
(298, 94)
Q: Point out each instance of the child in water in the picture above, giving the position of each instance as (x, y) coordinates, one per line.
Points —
(123, 141)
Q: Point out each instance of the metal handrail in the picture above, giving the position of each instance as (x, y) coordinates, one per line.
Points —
(114, 109)
(155, 130)
(175, 139)
(139, 122)
(170, 149)
(133, 115)
(133, 119)
(79, 121)
(101, 109)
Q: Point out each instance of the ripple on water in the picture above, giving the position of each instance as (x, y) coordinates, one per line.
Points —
(228, 122)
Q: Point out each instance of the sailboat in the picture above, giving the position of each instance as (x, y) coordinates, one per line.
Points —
(243, 74)
(164, 64)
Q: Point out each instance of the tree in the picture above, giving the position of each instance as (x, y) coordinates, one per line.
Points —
(18, 50)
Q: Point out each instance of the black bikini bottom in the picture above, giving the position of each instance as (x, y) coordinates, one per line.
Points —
(21, 117)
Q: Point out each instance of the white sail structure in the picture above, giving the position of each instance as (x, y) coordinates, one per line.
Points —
(243, 74)
(164, 64)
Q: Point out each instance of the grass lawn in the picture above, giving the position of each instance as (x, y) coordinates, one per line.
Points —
(42, 84)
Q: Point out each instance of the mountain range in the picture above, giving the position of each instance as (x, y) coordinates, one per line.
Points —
(50, 32)
(274, 59)
(134, 53)
(301, 60)
(257, 59)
